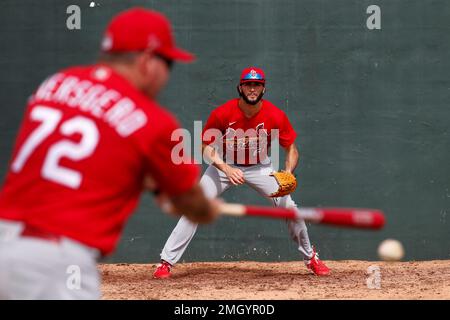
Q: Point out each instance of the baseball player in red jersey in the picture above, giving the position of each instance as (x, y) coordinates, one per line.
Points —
(89, 137)
(245, 125)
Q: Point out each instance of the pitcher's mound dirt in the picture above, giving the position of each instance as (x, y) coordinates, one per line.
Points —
(279, 281)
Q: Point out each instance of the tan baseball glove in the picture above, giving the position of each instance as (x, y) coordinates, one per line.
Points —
(286, 183)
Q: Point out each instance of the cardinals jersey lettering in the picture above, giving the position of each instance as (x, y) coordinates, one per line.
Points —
(247, 141)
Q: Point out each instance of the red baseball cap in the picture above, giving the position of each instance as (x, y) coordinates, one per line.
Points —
(253, 74)
(138, 29)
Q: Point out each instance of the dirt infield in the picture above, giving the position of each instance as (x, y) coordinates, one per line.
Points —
(279, 281)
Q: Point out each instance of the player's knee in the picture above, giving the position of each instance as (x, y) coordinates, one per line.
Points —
(286, 202)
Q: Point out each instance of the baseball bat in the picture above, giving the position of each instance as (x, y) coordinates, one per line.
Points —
(345, 217)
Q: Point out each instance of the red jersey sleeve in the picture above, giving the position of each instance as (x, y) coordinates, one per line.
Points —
(213, 122)
(287, 132)
(172, 178)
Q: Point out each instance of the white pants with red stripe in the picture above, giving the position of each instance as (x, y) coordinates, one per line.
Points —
(214, 182)
(36, 269)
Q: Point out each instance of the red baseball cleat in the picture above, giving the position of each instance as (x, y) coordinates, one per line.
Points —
(163, 270)
(316, 265)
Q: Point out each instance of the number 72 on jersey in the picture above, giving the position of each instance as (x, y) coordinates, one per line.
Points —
(50, 120)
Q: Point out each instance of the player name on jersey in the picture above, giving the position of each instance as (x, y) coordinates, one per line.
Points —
(120, 112)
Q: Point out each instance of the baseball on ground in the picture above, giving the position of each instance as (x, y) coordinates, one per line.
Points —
(391, 250)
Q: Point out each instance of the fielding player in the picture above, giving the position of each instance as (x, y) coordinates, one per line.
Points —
(249, 113)
(89, 136)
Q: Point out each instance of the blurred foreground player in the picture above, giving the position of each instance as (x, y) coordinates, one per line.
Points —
(89, 137)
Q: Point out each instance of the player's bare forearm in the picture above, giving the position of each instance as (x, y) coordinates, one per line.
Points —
(194, 205)
(213, 157)
(292, 156)
(235, 175)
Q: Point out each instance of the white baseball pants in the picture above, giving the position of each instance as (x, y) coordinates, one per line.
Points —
(214, 182)
(38, 269)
